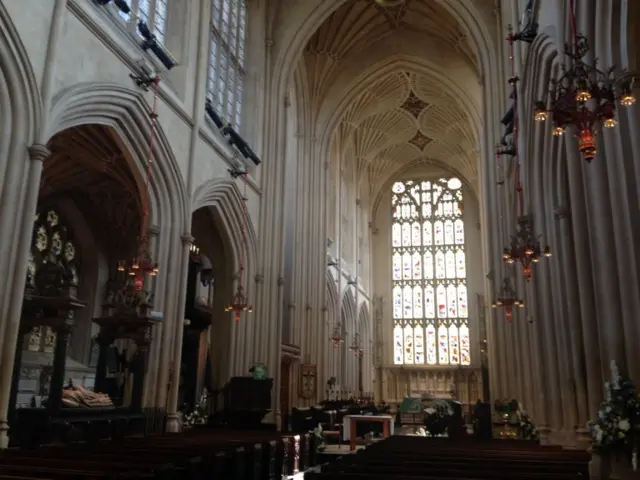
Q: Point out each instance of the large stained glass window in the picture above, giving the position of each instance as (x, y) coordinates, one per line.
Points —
(430, 304)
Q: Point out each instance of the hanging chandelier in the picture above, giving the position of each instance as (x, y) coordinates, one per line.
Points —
(584, 96)
(194, 253)
(239, 303)
(355, 347)
(525, 247)
(336, 337)
(507, 299)
(142, 264)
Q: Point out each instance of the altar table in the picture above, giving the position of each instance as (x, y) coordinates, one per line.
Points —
(349, 426)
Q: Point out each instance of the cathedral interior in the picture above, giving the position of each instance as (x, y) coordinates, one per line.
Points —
(233, 213)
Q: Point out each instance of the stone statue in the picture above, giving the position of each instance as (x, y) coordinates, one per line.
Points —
(75, 396)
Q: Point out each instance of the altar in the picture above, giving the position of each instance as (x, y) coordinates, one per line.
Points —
(350, 421)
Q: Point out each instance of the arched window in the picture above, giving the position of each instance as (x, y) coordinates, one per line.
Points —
(151, 12)
(226, 59)
(430, 304)
(51, 241)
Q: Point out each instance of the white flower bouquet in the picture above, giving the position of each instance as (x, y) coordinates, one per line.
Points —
(617, 427)
(318, 433)
(200, 413)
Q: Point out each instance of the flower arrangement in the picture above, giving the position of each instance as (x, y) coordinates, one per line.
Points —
(617, 427)
(527, 429)
(200, 413)
(437, 417)
(318, 433)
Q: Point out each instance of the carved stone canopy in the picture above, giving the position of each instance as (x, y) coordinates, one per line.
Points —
(126, 313)
(51, 299)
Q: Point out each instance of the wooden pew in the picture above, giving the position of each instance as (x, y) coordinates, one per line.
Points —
(420, 458)
(194, 455)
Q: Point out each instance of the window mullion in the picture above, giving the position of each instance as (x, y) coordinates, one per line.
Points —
(152, 16)
(133, 19)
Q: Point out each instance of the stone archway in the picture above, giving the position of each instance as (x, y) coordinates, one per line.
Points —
(89, 214)
(349, 364)
(217, 226)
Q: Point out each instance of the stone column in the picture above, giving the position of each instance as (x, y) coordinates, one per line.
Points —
(11, 321)
(180, 289)
(623, 234)
(600, 220)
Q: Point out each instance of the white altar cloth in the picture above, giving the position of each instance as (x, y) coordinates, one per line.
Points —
(346, 423)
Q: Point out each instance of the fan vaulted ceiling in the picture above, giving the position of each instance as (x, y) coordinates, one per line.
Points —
(404, 117)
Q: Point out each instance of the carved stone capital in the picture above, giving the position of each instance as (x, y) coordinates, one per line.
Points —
(308, 307)
(292, 306)
(187, 239)
(280, 281)
(259, 278)
(325, 309)
(39, 152)
(268, 43)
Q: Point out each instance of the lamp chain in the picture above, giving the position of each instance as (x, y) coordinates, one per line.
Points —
(153, 115)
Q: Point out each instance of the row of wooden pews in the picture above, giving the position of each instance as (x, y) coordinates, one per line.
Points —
(197, 454)
(420, 458)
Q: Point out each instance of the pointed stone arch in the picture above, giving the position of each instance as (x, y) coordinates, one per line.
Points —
(127, 112)
(332, 300)
(364, 319)
(20, 101)
(20, 118)
(225, 199)
(348, 312)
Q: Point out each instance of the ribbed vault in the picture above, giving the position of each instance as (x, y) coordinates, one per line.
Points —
(88, 165)
(357, 24)
(404, 120)
(398, 119)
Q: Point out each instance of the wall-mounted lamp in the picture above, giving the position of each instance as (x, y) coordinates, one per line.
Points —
(151, 43)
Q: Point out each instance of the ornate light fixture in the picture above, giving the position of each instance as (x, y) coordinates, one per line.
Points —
(525, 247)
(336, 337)
(194, 253)
(584, 96)
(507, 299)
(355, 347)
(239, 303)
(142, 264)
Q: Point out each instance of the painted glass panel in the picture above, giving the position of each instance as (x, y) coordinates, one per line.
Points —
(418, 338)
(430, 304)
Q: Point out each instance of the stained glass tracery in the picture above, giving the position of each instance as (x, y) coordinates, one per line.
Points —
(430, 298)
(51, 242)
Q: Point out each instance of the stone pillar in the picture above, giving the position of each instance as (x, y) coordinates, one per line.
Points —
(178, 330)
(600, 220)
(623, 199)
(18, 264)
(268, 305)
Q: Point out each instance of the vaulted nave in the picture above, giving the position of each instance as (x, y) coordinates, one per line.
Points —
(267, 238)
